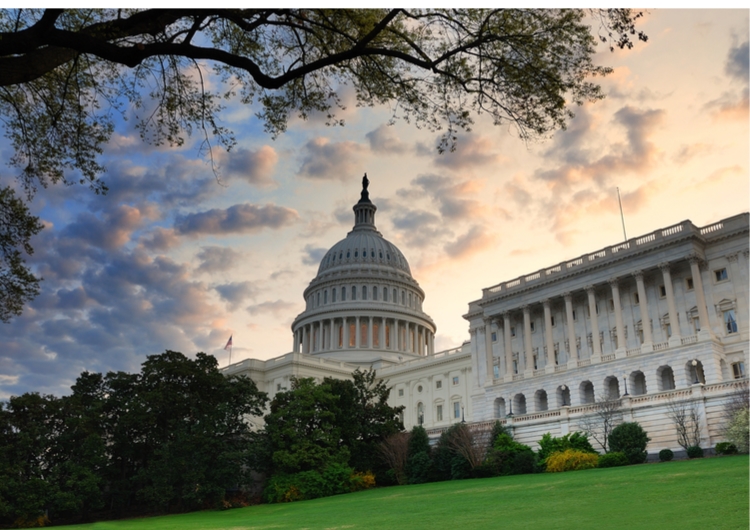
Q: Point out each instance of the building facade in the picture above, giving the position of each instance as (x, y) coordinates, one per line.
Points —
(657, 318)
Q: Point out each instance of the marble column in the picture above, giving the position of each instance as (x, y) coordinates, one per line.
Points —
(648, 339)
(700, 298)
(571, 326)
(357, 333)
(488, 356)
(596, 356)
(508, 347)
(528, 363)
(548, 342)
(622, 347)
(304, 340)
(674, 323)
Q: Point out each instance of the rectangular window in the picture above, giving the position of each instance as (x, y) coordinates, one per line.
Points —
(697, 324)
(730, 323)
(343, 294)
(513, 331)
(438, 384)
(456, 409)
(400, 392)
(364, 292)
(494, 336)
(552, 320)
(721, 275)
(575, 315)
(515, 367)
(536, 367)
(739, 370)
(531, 325)
(669, 330)
(636, 299)
(374, 293)
(662, 291)
(385, 294)
(496, 371)
(439, 413)
(611, 304)
(689, 284)
(333, 295)
(596, 307)
(278, 387)
(375, 334)
(455, 380)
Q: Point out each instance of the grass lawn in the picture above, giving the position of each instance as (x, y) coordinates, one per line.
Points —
(707, 493)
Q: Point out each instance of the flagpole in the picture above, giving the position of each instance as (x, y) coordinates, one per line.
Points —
(230, 355)
(621, 215)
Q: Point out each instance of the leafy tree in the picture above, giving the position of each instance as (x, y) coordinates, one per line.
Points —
(552, 444)
(509, 457)
(65, 75)
(364, 418)
(630, 439)
(418, 464)
(736, 415)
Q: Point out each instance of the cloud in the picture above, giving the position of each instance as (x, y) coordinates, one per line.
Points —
(253, 166)
(217, 259)
(449, 195)
(384, 140)
(278, 308)
(415, 220)
(688, 152)
(240, 218)
(235, 293)
(331, 160)
(313, 255)
(738, 62)
(109, 233)
(472, 152)
(161, 239)
(472, 242)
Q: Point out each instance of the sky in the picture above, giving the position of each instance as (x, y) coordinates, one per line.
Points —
(174, 258)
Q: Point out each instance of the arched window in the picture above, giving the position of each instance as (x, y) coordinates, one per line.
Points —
(333, 294)
(364, 292)
(519, 404)
(354, 292)
(385, 294)
(540, 401)
(637, 383)
(665, 378)
(499, 408)
(612, 387)
(374, 292)
(587, 392)
(694, 372)
(563, 396)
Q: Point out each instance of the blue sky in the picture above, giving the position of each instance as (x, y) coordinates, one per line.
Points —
(175, 258)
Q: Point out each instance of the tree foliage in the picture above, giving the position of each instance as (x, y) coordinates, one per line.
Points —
(552, 444)
(172, 437)
(67, 75)
(630, 439)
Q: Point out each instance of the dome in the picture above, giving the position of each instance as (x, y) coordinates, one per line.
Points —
(362, 247)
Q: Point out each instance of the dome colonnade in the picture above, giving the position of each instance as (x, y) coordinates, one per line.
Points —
(364, 298)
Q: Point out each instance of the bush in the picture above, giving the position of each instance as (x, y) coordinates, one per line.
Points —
(738, 429)
(419, 468)
(550, 444)
(362, 481)
(665, 455)
(631, 439)
(726, 448)
(694, 452)
(509, 457)
(571, 460)
(333, 480)
(613, 460)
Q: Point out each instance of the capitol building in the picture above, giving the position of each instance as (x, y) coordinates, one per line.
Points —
(653, 320)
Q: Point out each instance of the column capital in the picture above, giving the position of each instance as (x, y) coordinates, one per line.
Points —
(506, 314)
(545, 302)
(732, 258)
(526, 308)
(638, 274)
(614, 282)
(665, 266)
(589, 288)
(695, 258)
(568, 296)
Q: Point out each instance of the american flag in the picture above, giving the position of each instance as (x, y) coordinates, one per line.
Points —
(229, 343)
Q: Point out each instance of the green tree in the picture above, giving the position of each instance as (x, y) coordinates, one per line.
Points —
(66, 75)
(418, 463)
(552, 444)
(630, 439)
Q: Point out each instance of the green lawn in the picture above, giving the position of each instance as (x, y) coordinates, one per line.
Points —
(710, 493)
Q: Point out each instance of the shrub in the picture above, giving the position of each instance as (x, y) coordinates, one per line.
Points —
(333, 480)
(571, 460)
(665, 455)
(550, 444)
(509, 457)
(362, 481)
(613, 460)
(738, 429)
(726, 448)
(694, 452)
(631, 439)
(419, 468)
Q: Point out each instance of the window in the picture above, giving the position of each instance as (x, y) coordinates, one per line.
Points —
(325, 296)
(739, 370)
(419, 389)
(354, 293)
(364, 292)
(536, 367)
(395, 297)
(596, 307)
(730, 323)
(575, 315)
(278, 387)
(662, 291)
(385, 294)
(552, 320)
(400, 392)
(689, 284)
(721, 275)
(374, 293)
(611, 304)
(317, 303)
(513, 331)
(636, 299)
(455, 380)
(456, 409)
(531, 325)
(494, 336)
(496, 371)
(439, 413)
(333, 295)
(438, 384)
(515, 367)
(403, 298)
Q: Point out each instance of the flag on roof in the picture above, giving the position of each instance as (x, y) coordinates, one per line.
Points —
(229, 343)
